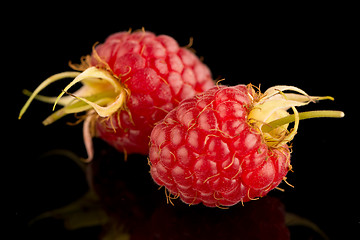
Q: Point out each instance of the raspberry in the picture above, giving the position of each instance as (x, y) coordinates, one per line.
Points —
(130, 82)
(228, 144)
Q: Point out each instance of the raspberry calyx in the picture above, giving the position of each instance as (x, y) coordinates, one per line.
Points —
(102, 91)
(269, 113)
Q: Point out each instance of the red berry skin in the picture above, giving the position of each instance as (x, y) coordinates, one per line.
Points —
(158, 74)
(206, 151)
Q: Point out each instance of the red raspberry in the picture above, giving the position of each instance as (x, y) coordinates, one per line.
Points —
(131, 81)
(228, 144)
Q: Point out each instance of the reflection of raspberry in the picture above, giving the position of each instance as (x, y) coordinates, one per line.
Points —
(263, 219)
(226, 145)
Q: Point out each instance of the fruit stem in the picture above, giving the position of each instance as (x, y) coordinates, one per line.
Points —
(44, 84)
(303, 115)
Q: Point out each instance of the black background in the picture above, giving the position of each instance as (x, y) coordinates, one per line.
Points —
(306, 46)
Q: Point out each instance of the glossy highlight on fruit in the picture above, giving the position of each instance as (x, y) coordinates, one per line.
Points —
(129, 83)
(228, 144)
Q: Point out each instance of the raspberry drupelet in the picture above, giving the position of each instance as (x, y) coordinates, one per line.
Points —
(129, 83)
(228, 144)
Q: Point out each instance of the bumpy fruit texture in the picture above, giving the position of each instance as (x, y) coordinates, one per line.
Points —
(205, 151)
(158, 73)
(130, 82)
(212, 148)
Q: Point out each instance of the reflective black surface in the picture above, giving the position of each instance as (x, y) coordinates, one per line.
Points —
(114, 199)
(309, 51)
